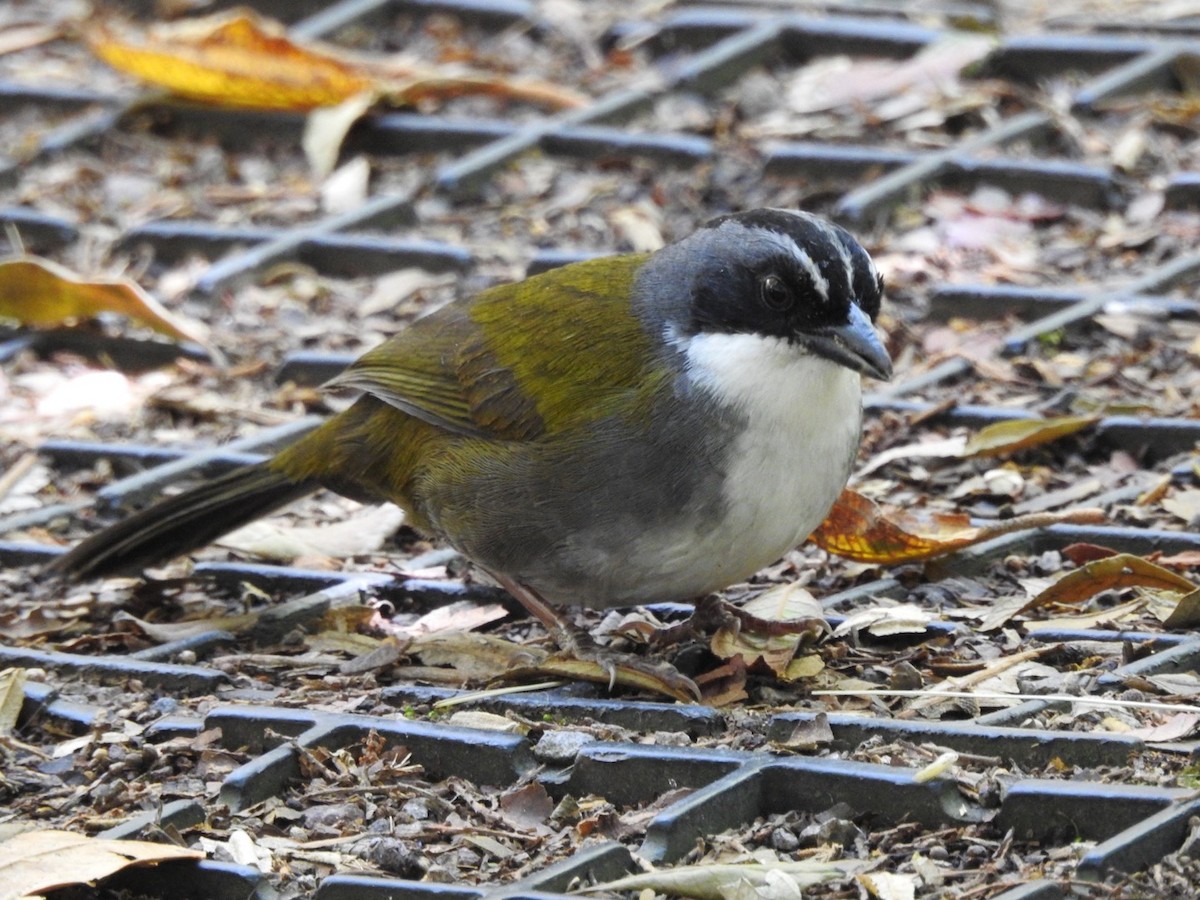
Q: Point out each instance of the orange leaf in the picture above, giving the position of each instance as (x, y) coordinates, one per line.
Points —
(1113, 572)
(234, 59)
(858, 529)
(41, 293)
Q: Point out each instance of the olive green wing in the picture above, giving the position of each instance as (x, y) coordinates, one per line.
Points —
(517, 361)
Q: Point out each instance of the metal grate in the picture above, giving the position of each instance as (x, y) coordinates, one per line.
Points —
(459, 162)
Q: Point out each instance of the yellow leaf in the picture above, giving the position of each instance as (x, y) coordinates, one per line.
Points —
(1021, 434)
(239, 59)
(234, 59)
(41, 293)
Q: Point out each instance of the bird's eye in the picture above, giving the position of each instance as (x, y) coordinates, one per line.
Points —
(775, 294)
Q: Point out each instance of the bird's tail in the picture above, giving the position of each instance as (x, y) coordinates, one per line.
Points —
(181, 523)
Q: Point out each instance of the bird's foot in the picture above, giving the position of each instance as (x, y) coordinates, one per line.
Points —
(713, 613)
(581, 658)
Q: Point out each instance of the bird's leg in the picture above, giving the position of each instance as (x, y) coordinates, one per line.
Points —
(712, 613)
(598, 663)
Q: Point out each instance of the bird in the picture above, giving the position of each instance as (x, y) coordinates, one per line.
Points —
(619, 431)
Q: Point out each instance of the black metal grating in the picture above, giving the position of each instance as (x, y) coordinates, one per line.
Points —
(691, 50)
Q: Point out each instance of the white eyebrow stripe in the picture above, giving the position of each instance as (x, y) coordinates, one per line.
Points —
(820, 282)
(836, 240)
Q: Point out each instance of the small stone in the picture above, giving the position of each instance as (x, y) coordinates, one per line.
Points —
(395, 857)
(338, 816)
(165, 706)
(561, 745)
(784, 840)
(842, 832)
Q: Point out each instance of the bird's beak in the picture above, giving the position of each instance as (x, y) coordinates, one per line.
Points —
(855, 345)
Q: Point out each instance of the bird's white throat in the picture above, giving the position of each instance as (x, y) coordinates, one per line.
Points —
(803, 419)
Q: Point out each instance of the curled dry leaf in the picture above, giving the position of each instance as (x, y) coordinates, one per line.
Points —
(781, 604)
(240, 59)
(1112, 573)
(12, 698)
(234, 59)
(717, 882)
(39, 861)
(856, 528)
(41, 293)
(1021, 434)
(992, 440)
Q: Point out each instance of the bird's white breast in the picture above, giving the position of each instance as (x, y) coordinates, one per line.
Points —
(803, 417)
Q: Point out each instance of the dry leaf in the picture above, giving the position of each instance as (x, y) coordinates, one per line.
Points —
(474, 656)
(809, 734)
(526, 807)
(240, 59)
(165, 632)
(363, 532)
(1184, 504)
(39, 861)
(462, 615)
(41, 293)
(234, 59)
(715, 881)
(830, 83)
(858, 529)
(12, 698)
(484, 721)
(903, 618)
(1175, 728)
(611, 673)
(780, 604)
(325, 131)
(1186, 612)
(1090, 620)
(1021, 434)
(889, 885)
(1114, 572)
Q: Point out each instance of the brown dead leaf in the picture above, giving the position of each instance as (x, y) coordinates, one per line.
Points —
(1021, 434)
(39, 861)
(165, 632)
(1112, 573)
(782, 603)
(1186, 612)
(611, 673)
(809, 734)
(1184, 559)
(526, 807)
(476, 657)
(41, 293)
(380, 655)
(725, 684)
(856, 528)
(1084, 553)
